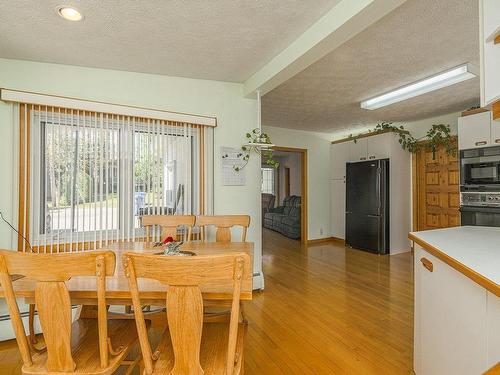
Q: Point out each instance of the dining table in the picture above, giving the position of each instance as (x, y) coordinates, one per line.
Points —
(83, 289)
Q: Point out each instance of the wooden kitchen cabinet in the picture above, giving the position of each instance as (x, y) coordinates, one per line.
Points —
(475, 131)
(445, 300)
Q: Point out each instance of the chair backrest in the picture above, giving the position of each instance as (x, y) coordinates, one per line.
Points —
(50, 271)
(223, 225)
(168, 225)
(184, 276)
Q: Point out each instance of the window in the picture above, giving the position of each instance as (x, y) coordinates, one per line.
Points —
(92, 175)
(267, 180)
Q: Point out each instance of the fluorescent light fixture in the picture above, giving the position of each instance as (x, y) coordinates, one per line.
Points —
(450, 77)
(69, 13)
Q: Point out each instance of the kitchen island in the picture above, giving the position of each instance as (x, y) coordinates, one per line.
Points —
(457, 304)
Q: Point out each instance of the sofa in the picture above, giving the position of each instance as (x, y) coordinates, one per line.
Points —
(267, 202)
(285, 219)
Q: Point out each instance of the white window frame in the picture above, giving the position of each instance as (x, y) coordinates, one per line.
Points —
(273, 170)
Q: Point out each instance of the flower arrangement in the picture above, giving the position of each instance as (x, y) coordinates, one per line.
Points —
(172, 247)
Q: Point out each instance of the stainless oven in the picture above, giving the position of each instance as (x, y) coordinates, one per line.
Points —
(480, 169)
(480, 209)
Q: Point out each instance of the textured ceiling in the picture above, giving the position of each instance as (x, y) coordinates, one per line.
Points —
(225, 40)
(418, 39)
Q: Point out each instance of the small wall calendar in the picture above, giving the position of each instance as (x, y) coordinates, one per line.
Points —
(229, 160)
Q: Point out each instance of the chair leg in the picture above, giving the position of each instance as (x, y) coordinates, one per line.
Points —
(242, 312)
(132, 365)
(31, 324)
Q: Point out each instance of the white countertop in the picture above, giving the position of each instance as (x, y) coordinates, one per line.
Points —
(477, 248)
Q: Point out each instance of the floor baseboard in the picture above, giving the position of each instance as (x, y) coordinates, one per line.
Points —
(325, 240)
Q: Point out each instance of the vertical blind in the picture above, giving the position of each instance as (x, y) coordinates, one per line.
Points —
(87, 177)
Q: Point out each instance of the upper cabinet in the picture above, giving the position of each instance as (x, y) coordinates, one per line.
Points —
(495, 133)
(490, 51)
(379, 146)
(370, 148)
(339, 156)
(358, 149)
(476, 131)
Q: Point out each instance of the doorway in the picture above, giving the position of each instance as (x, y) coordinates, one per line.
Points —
(289, 194)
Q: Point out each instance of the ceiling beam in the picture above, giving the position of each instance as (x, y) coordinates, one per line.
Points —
(341, 23)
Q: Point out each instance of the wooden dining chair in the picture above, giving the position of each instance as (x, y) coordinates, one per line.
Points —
(189, 346)
(168, 225)
(223, 225)
(87, 346)
(495, 370)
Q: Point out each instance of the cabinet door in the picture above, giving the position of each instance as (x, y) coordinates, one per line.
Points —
(493, 329)
(379, 146)
(491, 51)
(474, 131)
(338, 208)
(339, 156)
(491, 17)
(495, 132)
(450, 320)
(358, 150)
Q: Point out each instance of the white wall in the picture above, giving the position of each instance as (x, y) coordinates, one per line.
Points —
(420, 127)
(318, 174)
(235, 114)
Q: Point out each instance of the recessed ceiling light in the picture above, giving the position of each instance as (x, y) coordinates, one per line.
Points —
(69, 13)
(450, 77)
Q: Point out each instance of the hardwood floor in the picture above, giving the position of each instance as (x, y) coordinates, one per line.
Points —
(325, 310)
(330, 310)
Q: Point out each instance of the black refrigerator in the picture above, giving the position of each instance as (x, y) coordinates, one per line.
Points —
(367, 206)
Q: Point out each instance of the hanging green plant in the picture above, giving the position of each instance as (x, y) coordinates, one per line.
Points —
(259, 143)
(438, 135)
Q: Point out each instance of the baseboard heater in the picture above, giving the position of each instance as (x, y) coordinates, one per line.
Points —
(6, 331)
(24, 314)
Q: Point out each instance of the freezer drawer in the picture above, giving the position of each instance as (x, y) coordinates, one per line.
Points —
(366, 232)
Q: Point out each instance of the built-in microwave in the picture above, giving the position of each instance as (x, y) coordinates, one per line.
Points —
(480, 168)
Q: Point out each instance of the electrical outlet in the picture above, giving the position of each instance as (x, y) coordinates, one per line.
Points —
(320, 231)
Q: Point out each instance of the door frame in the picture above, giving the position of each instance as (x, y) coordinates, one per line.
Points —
(303, 189)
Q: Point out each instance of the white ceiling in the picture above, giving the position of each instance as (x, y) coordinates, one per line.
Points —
(226, 40)
(418, 39)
